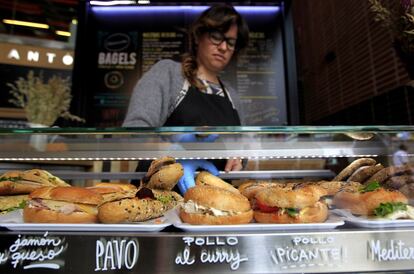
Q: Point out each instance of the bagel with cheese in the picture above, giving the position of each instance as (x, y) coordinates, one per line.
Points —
(209, 205)
(297, 205)
(62, 205)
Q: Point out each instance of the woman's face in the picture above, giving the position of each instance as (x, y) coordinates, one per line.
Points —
(213, 53)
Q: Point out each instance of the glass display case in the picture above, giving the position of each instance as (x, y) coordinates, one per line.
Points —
(85, 156)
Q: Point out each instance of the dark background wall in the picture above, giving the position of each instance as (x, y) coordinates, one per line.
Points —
(349, 72)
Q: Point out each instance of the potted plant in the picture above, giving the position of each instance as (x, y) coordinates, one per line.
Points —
(43, 101)
(399, 19)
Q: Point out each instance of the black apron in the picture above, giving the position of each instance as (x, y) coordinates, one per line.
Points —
(201, 109)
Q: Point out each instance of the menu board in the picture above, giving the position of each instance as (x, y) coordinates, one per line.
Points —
(313, 252)
(258, 74)
(160, 45)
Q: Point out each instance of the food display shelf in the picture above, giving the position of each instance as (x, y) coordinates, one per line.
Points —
(335, 247)
(118, 150)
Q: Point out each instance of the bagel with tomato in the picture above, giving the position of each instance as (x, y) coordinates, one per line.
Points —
(288, 206)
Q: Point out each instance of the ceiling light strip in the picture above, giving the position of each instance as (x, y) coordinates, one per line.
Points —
(25, 24)
(113, 3)
(63, 33)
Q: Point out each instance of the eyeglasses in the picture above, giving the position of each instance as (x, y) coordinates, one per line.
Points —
(216, 37)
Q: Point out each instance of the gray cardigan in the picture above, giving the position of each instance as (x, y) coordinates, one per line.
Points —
(154, 96)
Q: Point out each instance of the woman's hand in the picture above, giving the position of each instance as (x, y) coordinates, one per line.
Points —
(233, 165)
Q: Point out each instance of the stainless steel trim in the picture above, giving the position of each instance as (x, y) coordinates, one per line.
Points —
(288, 174)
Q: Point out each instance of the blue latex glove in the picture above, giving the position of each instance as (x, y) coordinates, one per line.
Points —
(190, 166)
(192, 138)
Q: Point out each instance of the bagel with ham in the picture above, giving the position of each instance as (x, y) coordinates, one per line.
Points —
(62, 205)
(372, 200)
(297, 205)
(209, 205)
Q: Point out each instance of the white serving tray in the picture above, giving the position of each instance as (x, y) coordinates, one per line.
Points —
(372, 223)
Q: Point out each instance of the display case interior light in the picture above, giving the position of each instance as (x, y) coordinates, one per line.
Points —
(25, 159)
(113, 3)
(135, 9)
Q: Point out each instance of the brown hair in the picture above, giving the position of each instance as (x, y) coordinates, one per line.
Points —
(218, 17)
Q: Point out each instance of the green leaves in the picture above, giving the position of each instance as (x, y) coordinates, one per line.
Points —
(370, 187)
(20, 206)
(387, 208)
(11, 179)
(165, 199)
(292, 212)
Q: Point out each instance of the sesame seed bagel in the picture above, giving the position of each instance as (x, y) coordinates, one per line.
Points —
(316, 213)
(300, 197)
(218, 198)
(206, 178)
(204, 219)
(213, 205)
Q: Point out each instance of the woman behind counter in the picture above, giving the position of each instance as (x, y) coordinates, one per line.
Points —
(191, 93)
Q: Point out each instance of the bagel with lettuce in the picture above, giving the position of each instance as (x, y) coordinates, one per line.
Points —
(23, 182)
(374, 201)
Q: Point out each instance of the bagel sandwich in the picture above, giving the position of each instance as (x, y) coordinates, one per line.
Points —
(24, 182)
(385, 174)
(250, 188)
(297, 205)
(359, 170)
(331, 188)
(62, 205)
(163, 173)
(147, 204)
(209, 205)
(206, 178)
(114, 191)
(374, 201)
